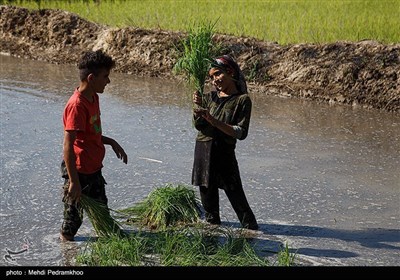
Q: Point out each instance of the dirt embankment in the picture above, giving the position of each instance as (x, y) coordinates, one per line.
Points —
(364, 73)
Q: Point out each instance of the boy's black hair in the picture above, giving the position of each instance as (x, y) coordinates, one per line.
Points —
(93, 62)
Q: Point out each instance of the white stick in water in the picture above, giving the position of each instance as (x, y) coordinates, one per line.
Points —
(150, 159)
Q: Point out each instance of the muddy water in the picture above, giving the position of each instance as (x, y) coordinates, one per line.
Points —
(322, 179)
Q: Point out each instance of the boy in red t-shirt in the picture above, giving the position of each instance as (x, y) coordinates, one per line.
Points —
(83, 147)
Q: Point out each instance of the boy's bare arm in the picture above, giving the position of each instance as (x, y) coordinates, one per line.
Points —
(74, 191)
(119, 151)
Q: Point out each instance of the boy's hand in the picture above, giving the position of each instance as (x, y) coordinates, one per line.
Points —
(120, 152)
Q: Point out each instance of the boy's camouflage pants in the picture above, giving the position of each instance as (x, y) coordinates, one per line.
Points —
(93, 185)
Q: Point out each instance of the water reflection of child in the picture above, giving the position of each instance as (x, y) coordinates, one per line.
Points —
(83, 146)
(223, 117)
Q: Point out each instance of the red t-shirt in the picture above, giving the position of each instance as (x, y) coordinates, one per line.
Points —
(83, 116)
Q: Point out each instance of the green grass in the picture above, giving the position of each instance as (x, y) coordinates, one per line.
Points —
(166, 206)
(195, 54)
(114, 251)
(285, 258)
(207, 247)
(166, 231)
(100, 217)
(284, 21)
(195, 246)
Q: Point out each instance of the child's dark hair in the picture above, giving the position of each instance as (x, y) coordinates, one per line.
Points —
(226, 62)
(93, 62)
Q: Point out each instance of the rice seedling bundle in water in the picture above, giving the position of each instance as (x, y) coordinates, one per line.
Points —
(167, 206)
(99, 215)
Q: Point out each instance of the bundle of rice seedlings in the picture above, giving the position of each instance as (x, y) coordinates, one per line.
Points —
(99, 215)
(196, 51)
(114, 251)
(166, 206)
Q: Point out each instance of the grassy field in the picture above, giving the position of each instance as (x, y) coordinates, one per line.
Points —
(285, 22)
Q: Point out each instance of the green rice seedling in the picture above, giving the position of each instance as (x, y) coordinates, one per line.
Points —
(285, 22)
(114, 251)
(206, 247)
(285, 258)
(196, 245)
(166, 206)
(100, 217)
(196, 52)
(177, 249)
(236, 250)
(188, 246)
(228, 255)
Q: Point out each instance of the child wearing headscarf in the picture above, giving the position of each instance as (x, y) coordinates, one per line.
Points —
(221, 118)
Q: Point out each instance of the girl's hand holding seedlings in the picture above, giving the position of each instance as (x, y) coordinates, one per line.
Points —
(200, 111)
(197, 99)
(204, 113)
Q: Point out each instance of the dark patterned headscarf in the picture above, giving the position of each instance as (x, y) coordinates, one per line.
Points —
(226, 62)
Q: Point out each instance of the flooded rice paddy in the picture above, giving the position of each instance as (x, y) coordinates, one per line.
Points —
(322, 179)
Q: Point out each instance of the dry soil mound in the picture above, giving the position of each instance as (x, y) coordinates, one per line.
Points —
(364, 73)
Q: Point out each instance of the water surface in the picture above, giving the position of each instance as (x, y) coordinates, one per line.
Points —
(324, 179)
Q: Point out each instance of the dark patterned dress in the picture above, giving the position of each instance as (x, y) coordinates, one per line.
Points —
(215, 165)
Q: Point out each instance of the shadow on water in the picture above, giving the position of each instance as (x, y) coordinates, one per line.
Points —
(376, 238)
